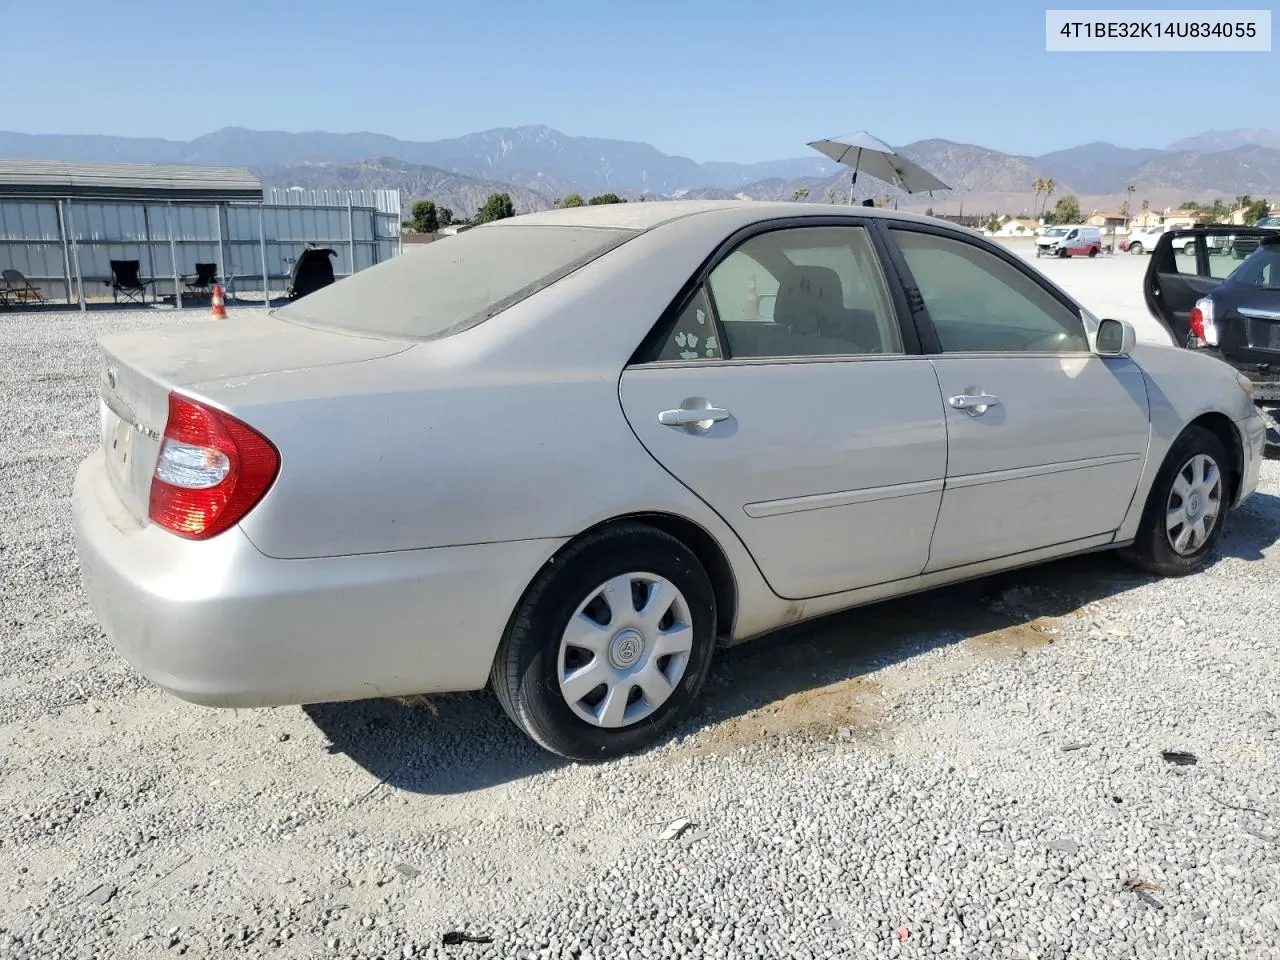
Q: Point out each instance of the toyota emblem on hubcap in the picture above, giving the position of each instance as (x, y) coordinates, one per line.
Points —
(626, 648)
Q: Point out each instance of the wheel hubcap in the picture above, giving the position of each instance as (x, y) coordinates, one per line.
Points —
(1194, 504)
(625, 650)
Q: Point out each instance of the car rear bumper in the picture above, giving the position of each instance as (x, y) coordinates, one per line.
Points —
(221, 624)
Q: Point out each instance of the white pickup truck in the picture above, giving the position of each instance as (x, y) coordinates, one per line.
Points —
(1144, 241)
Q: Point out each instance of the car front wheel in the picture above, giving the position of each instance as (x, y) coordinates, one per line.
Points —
(610, 644)
(1182, 520)
(1135, 248)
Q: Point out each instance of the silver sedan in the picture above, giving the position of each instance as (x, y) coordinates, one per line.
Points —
(571, 453)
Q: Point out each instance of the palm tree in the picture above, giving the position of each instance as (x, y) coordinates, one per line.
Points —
(1128, 200)
(1038, 183)
(802, 194)
(1048, 194)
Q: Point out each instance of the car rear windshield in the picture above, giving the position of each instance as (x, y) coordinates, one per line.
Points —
(1261, 268)
(440, 288)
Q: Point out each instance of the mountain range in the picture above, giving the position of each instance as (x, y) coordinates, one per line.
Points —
(537, 164)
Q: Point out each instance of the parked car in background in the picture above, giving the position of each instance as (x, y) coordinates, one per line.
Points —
(1143, 240)
(567, 454)
(1235, 317)
(1069, 241)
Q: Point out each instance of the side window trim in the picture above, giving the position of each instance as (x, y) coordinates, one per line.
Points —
(921, 311)
(917, 327)
(881, 246)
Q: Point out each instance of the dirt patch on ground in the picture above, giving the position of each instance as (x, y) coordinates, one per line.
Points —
(848, 709)
(1014, 640)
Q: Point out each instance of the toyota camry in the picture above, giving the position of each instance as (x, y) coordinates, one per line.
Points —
(570, 454)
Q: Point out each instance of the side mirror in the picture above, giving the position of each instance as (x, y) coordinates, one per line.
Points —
(1115, 338)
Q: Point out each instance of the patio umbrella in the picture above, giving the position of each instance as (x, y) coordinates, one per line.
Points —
(874, 157)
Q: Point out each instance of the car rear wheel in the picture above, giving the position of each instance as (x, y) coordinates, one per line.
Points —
(1093, 252)
(610, 644)
(1183, 517)
(1135, 248)
(1190, 249)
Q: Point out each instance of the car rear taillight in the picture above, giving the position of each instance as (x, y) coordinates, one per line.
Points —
(1203, 326)
(212, 470)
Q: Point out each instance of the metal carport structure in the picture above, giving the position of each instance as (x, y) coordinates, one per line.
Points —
(62, 223)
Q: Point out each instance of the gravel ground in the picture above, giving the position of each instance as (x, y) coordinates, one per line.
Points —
(977, 773)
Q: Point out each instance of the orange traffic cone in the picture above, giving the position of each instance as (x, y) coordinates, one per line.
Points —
(218, 310)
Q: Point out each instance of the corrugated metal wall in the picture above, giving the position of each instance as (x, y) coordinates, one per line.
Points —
(384, 201)
(360, 226)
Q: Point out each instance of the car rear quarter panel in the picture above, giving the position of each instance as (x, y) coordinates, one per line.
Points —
(1182, 385)
(509, 431)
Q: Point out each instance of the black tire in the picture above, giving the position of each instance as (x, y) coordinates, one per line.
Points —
(1135, 248)
(524, 673)
(1189, 249)
(1093, 252)
(1063, 253)
(1151, 549)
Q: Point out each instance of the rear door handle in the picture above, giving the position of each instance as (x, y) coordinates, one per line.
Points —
(683, 417)
(975, 404)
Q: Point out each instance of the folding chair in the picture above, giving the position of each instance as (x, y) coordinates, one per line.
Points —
(15, 288)
(126, 282)
(206, 276)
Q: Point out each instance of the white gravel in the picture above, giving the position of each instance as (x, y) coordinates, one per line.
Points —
(890, 782)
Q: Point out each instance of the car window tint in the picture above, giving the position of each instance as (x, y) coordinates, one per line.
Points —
(743, 288)
(1222, 262)
(804, 291)
(693, 337)
(980, 303)
(1184, 262)
(1260, 269)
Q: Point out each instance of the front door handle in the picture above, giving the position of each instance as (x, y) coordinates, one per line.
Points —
(684, 417)
(975, 404)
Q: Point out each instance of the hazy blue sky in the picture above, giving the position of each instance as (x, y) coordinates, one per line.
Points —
(708, 79)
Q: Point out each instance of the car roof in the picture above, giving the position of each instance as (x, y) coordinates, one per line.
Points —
(717, 214)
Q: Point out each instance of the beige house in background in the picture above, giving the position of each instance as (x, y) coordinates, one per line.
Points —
(1107, 221)
(1180, 218)
(1017, 227)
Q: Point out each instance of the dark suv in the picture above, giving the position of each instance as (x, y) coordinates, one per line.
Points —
(1210, 301)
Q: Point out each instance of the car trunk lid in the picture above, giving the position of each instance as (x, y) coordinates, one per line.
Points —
(139, 370)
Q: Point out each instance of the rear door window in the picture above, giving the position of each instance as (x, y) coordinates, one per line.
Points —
(805, 291)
